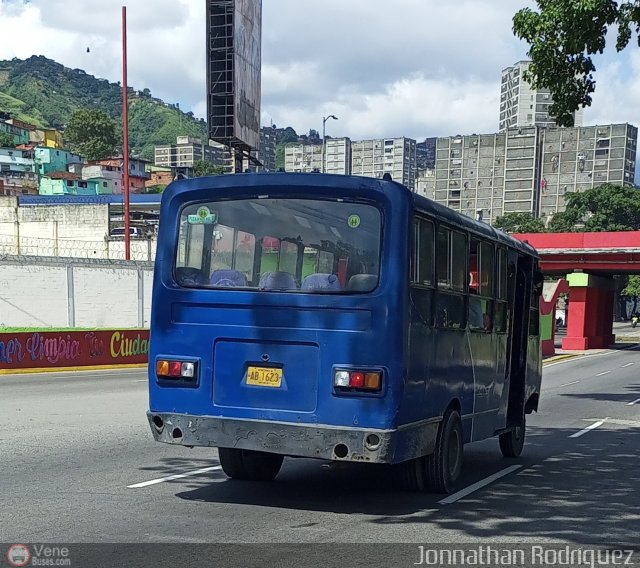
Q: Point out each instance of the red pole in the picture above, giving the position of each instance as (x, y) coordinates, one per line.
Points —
(125, 124)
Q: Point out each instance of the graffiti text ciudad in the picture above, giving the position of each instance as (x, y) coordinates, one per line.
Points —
(53, 349)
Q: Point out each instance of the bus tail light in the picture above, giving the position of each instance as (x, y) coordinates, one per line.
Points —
(358, 380)
(175, 369)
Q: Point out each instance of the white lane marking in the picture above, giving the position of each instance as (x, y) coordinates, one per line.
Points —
(632, 423)
(634, 402)
(172, 477)
(479, 485)
(588, 428)
(567, 384)
(605, 373)
(141, 381)
(585, 356)
(627, 365)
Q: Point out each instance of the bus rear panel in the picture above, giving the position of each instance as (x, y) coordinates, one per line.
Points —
(341, 318)
(277, 320)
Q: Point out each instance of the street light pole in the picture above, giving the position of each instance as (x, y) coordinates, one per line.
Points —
(324, 139)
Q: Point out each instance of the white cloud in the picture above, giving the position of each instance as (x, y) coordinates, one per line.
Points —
(408, 67)
(414, 107)
(617, 91)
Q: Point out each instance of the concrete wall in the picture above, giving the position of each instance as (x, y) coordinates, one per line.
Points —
(54, 292)
(77, 231)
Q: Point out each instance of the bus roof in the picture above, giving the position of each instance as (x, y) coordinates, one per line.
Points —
(392, 190)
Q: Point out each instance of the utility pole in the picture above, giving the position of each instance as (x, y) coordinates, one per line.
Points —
(125, 125)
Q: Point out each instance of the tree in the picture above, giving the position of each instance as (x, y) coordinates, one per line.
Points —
(280, 152)
(289, 136)
(202, 168)
(566, 222)
(603, 208)
(92, 134)
(7, 140)
(633, 291)
(563, 35)
(519, 223)
(159, 188)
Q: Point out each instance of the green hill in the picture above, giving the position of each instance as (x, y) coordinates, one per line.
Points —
(45, 93)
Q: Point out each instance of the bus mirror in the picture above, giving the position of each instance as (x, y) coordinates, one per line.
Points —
(538, 282)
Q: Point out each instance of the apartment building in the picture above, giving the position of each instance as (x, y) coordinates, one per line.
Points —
(483, 176)
(528, 169)
(395, 156)
(303, 157)
(523, 106)
(267, 152)
(425, 183)
(371, 158)
(426, 154)
(17, 172)
(577, 159)
(20, 135)
(186, 151)
(338, 156)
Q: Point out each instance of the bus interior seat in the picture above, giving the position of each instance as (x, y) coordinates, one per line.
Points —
(321, 282)
(227, 278)
(362, 282)
(277, 281)
(189, 276)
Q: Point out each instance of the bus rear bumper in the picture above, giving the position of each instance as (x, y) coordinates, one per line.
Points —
(300, 440)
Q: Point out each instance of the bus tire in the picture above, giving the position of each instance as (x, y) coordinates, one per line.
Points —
(512, 442)
(410, 474)
(249, 465)
(444, 465)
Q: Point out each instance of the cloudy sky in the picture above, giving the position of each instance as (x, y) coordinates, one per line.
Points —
(413, 68)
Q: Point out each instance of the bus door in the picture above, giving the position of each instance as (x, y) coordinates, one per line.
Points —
(520, 281)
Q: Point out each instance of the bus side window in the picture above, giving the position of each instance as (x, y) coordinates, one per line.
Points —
(244, 254)
(451, 262)
(481, 268)
(500, 318)
(422, 270)
(194, 247)
(270, 255)
(325, 262)
(487, 288)
(443, 261)
(534, 313)
(423, 253)
(223, 240)
(458, 261)
(288, 261)
(534, 322)
(475, 303)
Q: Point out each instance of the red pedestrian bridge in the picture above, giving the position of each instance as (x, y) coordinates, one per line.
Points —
(588, 261)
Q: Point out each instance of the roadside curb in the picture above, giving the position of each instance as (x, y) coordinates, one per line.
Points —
(562, 357)
(71, 369)
(627, 339)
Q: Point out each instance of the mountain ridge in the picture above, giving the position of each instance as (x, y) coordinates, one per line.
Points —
(45, 93)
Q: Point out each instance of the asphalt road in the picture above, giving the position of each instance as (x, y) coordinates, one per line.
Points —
(73, 444)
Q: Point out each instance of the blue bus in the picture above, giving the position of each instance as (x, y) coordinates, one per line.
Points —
(340, 318)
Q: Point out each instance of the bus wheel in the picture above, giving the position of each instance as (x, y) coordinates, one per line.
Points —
(512, 442)
(444, 465)
(249, 465)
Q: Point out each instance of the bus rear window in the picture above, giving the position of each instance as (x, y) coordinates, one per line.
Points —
(292, 245)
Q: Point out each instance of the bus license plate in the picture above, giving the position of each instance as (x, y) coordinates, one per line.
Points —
(264, 376)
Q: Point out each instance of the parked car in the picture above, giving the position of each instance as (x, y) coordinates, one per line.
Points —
(120, 232)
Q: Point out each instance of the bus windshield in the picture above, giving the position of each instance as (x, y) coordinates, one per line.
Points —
(270, 244)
